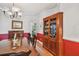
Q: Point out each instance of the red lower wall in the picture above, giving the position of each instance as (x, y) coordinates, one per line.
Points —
(5, 36)
(71, 48)
(40, 37)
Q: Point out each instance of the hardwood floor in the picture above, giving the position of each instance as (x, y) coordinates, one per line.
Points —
(38, 51)
(42, 51)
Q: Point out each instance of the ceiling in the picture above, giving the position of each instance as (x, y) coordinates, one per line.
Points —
(30, 8)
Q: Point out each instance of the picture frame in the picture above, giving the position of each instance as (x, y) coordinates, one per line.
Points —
(17, 24)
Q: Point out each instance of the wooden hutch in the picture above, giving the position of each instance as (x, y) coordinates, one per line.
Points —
(53, 34)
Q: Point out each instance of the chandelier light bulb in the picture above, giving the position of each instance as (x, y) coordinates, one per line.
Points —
(15, 9)
(9, 13)
(19, 13)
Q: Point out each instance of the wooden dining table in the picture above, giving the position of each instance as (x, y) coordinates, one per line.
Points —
(8, 49)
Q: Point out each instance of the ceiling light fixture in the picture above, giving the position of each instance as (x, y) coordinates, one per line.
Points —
(13, 12)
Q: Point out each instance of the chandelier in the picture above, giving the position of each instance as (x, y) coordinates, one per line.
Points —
(13, 12)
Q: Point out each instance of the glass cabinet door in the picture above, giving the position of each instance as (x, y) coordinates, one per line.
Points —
(46, 28)
(53, 27)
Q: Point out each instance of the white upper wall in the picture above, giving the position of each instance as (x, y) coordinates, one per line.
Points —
(6, 23)
(70, 21)
(44, 14)
(28, 18)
